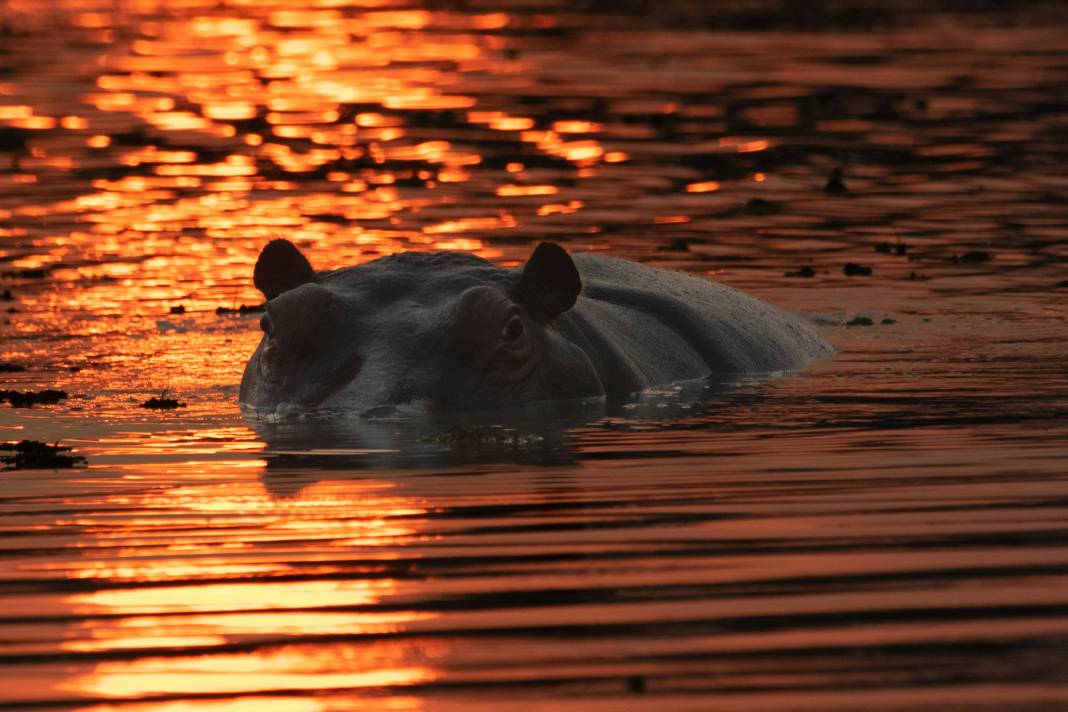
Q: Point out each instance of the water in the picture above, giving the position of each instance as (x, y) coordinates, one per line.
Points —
(884, 531)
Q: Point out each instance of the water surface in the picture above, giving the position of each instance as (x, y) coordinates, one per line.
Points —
(884, 531)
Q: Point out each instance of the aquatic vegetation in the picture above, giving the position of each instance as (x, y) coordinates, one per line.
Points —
(484, 436)
(836, 185)
(973, 257)
(242, 309)
(28, 399)
(34, 455)
(886, 248)
(162, 402)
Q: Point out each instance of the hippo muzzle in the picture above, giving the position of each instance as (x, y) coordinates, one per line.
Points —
(300, 360)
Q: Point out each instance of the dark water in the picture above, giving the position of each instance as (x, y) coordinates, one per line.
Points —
(885, 531)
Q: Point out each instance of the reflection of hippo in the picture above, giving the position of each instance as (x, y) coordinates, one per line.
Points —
(453, 330)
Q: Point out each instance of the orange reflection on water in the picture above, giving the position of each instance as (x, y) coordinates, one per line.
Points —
(322, 667)
(752, 146)
(18, 111)
(241, 124)
(502, 220)
(512, 190)
(577, 126)
(245, 628)
(215, 629)
(584, 152)
(570, 206)
(233, 165)
(151, 154)
(284, 703)
(237, 595)
(702, 187)
(500, 120)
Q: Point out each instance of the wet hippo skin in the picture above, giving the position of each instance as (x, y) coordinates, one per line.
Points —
(451, 330)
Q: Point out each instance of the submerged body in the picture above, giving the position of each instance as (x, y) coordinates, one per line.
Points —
(456, 331)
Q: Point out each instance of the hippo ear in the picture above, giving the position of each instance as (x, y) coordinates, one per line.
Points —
(281, 267)
(550, 282)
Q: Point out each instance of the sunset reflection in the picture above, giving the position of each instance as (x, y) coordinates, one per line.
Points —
(244, 624)
(194, 121)
(323, 667)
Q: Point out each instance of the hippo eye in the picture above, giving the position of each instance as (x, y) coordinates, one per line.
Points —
(513, 329)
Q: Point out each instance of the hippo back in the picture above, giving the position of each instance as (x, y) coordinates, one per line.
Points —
(660, 326)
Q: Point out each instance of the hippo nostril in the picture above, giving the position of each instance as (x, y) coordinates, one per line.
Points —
(265, 324)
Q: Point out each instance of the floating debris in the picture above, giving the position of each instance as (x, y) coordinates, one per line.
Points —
(243, 309)
(9, 367)
(760, 206)
(803, 272)
(852, 269)
(28, 399)
(860, 321)
(897, 248)
(13, 139)
(26, 274)
(888, 320)
(162, 402)
(973, 257)
(6, 296)
(35, 455)
(835, 184)
(679, 244)
(180, 309)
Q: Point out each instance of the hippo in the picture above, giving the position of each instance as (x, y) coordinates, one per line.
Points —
(450, 330)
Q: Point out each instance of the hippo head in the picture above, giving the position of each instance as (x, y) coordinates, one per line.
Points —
(433, 329)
